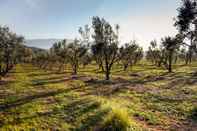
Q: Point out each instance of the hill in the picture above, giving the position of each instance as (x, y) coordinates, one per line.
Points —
(41, 43)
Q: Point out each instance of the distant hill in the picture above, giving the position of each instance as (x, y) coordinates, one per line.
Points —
(41, 43)
(36, 50)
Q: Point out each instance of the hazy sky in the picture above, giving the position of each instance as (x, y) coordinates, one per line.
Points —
(143, 20)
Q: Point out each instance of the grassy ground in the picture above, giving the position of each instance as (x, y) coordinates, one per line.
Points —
(34, 99)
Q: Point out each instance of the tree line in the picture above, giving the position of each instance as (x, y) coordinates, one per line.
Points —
(104, 49)
(100, 43)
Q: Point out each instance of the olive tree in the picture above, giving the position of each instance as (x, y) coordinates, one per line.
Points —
(59, 54)
(155, 54)
(170, 47)
(130, 54)
(75, 51)
(186, 23)
(105, 44)
(9, 43)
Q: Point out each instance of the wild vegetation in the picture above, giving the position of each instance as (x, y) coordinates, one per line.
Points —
(96, 83)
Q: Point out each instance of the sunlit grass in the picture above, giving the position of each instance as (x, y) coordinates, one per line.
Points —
(144, 97)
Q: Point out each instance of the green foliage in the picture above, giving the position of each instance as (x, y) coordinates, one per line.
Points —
(106, 44)
(10, 44)
(155, 54)
(130, 54)
(186, 23)
(186, 15)
(75, 52)
(166, 54)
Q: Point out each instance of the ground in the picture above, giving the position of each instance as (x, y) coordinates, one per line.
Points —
(34, 99)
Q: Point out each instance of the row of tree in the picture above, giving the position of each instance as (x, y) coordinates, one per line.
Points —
(104, 50)
(103, 47)
(167, 54)
(183, 45)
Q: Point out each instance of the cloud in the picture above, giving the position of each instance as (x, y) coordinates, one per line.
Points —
(145, 27)
(31, 3)
(152, 20)
(142, 20)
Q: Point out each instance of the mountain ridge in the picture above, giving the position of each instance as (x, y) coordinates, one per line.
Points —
(42, 43)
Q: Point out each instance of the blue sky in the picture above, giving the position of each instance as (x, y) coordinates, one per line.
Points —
(142, 20)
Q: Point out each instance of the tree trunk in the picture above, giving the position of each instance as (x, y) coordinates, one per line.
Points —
(190, 57)
(186, 59)
(0, 69)
(107, 75)
(125, 67)
(170, 63)
(159, 63)
(101, 67)
(7, 67)
(75, 69)
(107, 70)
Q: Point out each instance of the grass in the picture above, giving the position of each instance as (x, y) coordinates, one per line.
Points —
(118, 120)
(143, 98)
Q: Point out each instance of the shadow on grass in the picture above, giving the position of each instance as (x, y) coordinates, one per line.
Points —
(92, 121)
(27, 99)
(78, 108)
(55, 80)
(52, 78)
(4, 83)
(84, 109)
(34, 74)
(182, 80)
(190, 124)
(105, 88)
(47, 81)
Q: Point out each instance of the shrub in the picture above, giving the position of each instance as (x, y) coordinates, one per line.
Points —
(117, 120)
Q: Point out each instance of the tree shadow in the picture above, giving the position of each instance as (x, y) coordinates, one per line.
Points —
(106, 88)
(189, 124)
(182, 80)
(71, 113)
(27, 99)
(78, 108)
(34, 74)
(5, 83)
(43, 82)
(52, 78)
(56, 80)
(92, 121)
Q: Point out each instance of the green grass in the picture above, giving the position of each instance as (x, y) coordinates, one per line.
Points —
(144, 98)
(119, 120)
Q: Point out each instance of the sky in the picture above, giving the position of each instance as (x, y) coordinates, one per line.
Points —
(142, 20)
